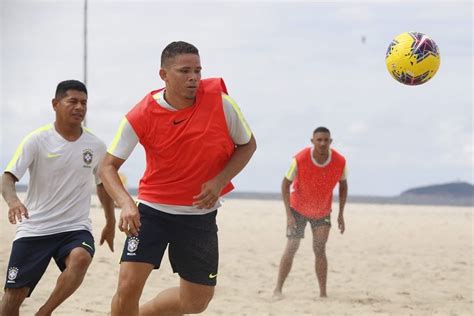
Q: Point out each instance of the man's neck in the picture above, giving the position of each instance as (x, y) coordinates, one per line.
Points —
(177, 103)
(320, 158)
(68, 132)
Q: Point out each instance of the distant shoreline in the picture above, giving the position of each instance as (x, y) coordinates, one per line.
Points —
(405, 199)
(402, 200)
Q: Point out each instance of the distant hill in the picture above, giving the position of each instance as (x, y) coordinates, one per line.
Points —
(454, 189)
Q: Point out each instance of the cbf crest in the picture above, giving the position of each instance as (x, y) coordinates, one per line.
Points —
(12, 274)
(132, 245)
(87, 156)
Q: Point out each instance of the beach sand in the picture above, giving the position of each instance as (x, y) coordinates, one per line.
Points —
(392, 260)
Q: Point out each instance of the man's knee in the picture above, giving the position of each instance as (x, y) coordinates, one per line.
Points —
(129, 288)
(79, 260)
(196, 305)
(13, 298)
(319, 249)
(292, 246)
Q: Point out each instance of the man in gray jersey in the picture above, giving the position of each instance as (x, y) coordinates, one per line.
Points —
(53, 221)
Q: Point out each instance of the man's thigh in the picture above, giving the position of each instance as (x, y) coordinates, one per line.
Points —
(320, 235)
(152, 240)
(194, 249)
(29, 259)
(71, 240)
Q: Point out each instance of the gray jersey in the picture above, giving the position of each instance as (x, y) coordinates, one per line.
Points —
(60, 185)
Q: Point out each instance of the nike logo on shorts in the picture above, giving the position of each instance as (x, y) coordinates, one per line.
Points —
(212, 276)
(87, 245)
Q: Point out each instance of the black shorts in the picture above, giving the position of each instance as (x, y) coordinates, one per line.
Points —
(193, 246)
(301, 221)
(30, 256)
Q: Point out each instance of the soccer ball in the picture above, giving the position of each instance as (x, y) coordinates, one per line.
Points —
(412, 58)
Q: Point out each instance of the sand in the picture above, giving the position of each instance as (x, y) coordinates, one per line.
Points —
(392, 260)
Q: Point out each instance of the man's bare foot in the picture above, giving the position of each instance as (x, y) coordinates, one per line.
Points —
(277, 296)
(323, 295)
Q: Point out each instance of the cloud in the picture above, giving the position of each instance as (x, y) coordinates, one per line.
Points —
(290, 66)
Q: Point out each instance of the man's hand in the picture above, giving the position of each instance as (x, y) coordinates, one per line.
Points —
(210, 192)
(108, 235)
(291, 223)
(16, 211)
(340, 223)
(129, 222)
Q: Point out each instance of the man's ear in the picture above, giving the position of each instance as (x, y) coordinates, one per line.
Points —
(163, 74)
(54, 103)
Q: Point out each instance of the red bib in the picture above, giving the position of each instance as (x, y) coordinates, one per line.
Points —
(313, 185)
(184, 148)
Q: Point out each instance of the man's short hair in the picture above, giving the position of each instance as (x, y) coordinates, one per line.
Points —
(321, 129)
(177, 48)
(66, 85)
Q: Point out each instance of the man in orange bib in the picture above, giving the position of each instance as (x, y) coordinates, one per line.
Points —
(196, 140)
(313, 175)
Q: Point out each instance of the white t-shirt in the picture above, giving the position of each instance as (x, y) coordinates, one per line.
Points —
(60, 186)
(293, 169)
(126, 139)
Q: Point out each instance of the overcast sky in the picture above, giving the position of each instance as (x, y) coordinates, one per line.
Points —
(291, 66)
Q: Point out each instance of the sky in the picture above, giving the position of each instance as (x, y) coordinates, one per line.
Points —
(290, 65)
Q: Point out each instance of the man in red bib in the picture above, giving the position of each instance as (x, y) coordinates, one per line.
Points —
(313, 175)
(196, 140)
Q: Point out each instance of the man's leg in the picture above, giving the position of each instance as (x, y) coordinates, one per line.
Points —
(12, 300)
(69, 280)
(132, 278)
(188, 298)
(285, 265)
(320, 237)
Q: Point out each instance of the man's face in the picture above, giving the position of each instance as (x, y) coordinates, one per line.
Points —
(182, 75)
(321, 142)
(72, 108)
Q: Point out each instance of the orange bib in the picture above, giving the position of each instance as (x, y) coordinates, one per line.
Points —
(313, 185)
(184, 148)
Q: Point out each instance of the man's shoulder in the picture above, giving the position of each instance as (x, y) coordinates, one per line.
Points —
(302, 152)
(337, 154)
(92, 138)
(40, 132)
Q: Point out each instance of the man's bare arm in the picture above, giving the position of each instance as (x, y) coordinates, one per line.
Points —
(129, 221)
(211, 190)
(108, 232)
(16, 209)
(343, 189)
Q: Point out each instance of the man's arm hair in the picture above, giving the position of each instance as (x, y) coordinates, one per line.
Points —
(107, 204)
(343, 189)
(8, 188)
(111, 180)
(285, 194)
(238, 161)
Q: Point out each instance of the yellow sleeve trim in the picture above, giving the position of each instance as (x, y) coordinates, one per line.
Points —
(290, 174)
(117, 136)
(239, 114)
(19, 149)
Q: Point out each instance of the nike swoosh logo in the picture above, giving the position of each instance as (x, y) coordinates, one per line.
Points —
(212, 276)
(177, 122)
(53, 155)
(87, 245)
